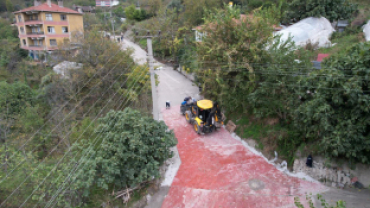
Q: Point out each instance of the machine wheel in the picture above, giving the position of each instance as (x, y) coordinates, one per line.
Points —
(182, 109)
(188, 116)
(196, 127)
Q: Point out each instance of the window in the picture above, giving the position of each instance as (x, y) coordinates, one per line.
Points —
(24, 42)
(19, 18)
(65, 29)
(53, 42)
(49, 17)
(51, 29)
(63, 17)
(22, 30)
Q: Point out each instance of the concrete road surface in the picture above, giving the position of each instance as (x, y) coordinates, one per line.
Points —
(172, 87)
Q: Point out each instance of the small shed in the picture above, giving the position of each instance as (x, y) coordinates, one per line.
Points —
(64, 68)
(342, 24)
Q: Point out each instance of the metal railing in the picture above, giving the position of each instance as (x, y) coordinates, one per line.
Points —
(35, 33)
(36, 46)
(30, 20)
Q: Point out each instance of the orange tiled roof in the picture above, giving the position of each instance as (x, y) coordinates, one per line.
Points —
(46, 8)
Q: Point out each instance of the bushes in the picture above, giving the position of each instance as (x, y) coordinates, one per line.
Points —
(330, 9)
(337, 110)
(132, 148)
(135, 14)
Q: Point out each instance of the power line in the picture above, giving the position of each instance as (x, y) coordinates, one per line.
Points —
(62, 108)
(70, 174)
(141, 76)
(80, 102)
(54, 148)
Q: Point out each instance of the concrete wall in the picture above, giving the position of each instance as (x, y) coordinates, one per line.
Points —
(338, 175)
(187, 75)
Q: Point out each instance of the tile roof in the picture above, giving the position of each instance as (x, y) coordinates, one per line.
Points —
(46, 8)
(321, 56)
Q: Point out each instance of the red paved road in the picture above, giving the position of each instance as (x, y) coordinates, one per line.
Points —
(218, 171)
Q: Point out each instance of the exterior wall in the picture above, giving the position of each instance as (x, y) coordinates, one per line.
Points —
(74, 22)
(199, 36)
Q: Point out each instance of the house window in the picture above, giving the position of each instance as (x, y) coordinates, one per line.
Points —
(51, 29)
(19, 18)
(65, 29)
(22, 30)
(63, 17)
(53, 42)
(49, 17)
(24, 42)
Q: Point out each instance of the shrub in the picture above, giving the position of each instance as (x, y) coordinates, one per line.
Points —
(330, 9)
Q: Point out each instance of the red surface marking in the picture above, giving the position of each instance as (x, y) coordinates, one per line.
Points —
(321, 56)
(216, 171)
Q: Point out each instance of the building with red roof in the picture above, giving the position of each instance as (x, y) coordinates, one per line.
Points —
(45, 25)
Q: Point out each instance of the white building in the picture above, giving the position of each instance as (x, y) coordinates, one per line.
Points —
(107, 3)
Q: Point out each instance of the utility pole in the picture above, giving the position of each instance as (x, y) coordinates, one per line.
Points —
(150, 61)
(112, 19)
(152, 77)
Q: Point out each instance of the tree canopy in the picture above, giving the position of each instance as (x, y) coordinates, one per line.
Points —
(330, 9)
(131, 151)
(337, 109)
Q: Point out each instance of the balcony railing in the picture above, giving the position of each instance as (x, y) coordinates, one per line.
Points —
(36, 46)
(30, 20)
(35, 33)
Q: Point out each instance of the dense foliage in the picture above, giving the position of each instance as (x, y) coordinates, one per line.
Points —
(135, 14)
(232, 53)
(39, 126)
(132, 149)
(337, 109)
(331, 9)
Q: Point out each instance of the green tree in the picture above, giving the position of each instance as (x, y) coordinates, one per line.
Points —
(194, 9)
(9, 6)
(228, 54)
(16, 96)
(119, 11)
(336, 105)
(135, 14)
(330, 9)
(132, 148)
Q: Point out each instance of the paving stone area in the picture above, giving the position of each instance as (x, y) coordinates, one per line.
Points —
(218, 171)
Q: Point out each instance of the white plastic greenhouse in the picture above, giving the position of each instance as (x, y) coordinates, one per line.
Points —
(367, 31)
(310, 30)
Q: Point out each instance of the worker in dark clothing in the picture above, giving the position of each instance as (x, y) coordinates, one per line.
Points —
(309, 161)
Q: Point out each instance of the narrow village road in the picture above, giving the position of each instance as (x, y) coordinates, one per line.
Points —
(172, 87)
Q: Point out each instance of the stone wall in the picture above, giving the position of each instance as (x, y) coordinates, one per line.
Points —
(187, 75)
(334, 174)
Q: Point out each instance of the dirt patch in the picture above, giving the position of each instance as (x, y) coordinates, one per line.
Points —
(271, 121)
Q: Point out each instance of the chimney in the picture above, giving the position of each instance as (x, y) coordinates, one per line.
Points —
(36, 2)
(60, 3)
(48, 2)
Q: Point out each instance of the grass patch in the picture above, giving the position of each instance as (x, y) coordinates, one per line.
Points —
(142, 43)
(342, 42)
(99, 196)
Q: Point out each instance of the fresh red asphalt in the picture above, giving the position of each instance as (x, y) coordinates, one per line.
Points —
(218, 171)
